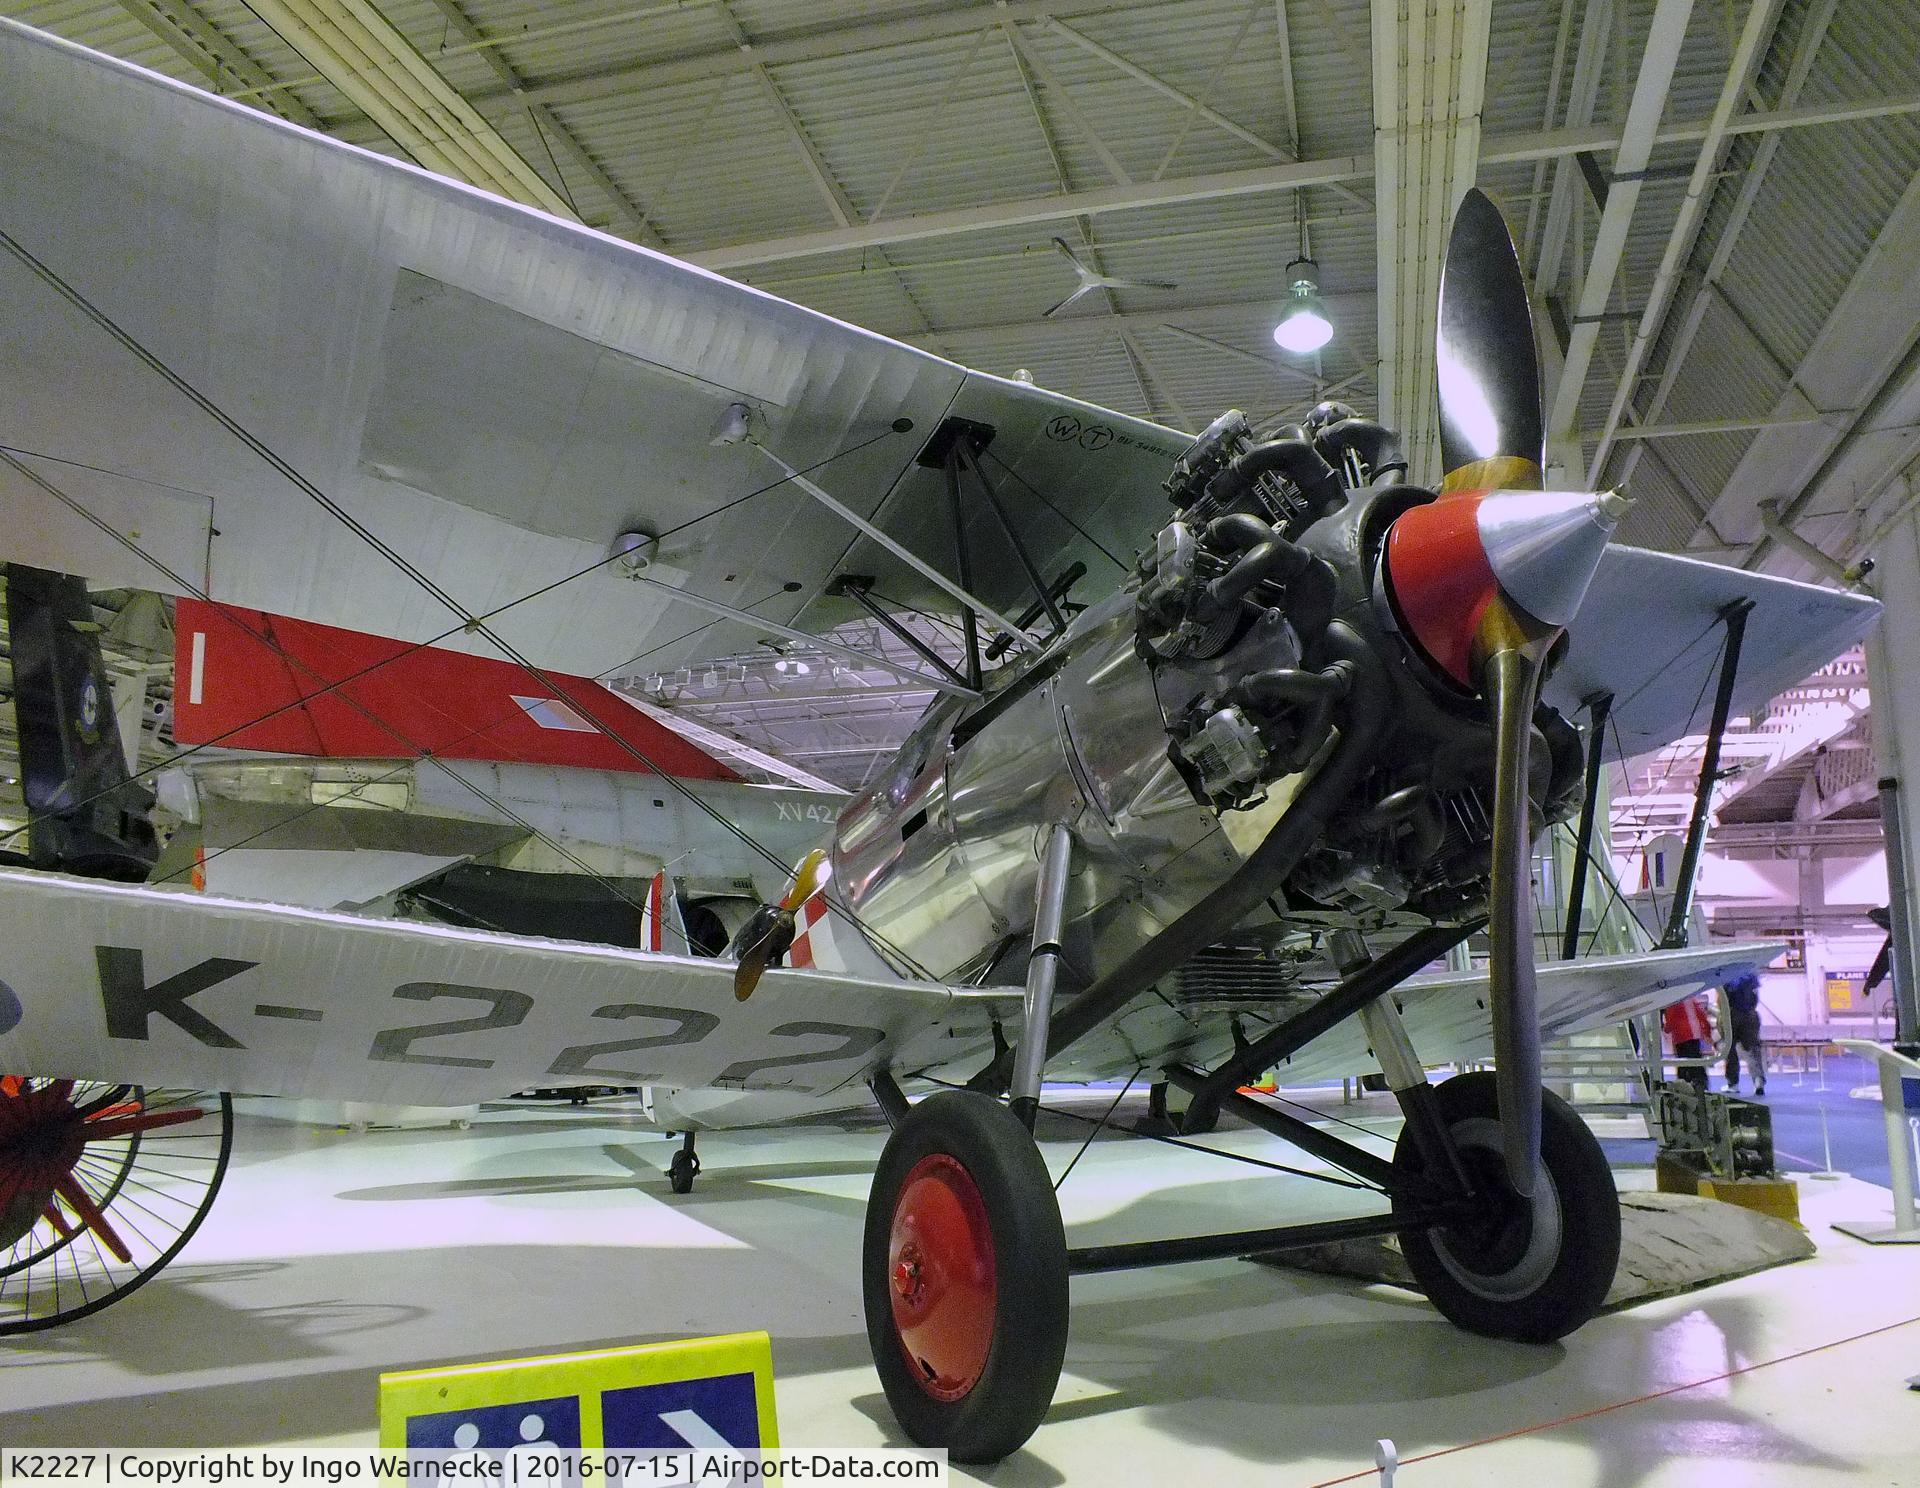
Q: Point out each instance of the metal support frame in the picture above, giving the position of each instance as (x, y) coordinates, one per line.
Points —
(1373, 979)
(1599, 709)
(1124, 1257)
(1043, 967)
(1422, 1202)
(1317, 1141)
(849, 587)
(963, 452)
(1734, 616)
(1496, 149)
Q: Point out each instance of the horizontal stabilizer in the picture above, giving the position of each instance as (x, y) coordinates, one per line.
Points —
(251, 680)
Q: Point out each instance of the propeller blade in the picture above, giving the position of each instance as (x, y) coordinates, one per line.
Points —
(1512, 680)
(768, 935)
(1067, 253)
(1491, 424)
(814, 870)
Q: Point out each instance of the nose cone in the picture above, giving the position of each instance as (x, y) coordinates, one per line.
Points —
(1543, 546)
(1449, 560)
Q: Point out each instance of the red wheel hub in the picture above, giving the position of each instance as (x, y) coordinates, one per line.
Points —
(42, 1136)
(941, 1275)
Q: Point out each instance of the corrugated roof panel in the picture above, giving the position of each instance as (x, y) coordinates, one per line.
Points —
(1520, 47)
(1661, 517)
(110, 29)
(543, 41)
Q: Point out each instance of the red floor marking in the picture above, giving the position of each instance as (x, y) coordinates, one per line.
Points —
(1601, 1410)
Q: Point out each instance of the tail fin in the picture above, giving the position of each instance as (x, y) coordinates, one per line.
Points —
(86, 814)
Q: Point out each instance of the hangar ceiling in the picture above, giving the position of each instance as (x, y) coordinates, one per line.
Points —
(1718, 202)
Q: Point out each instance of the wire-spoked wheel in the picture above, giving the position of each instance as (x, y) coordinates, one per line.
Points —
(100, 1187)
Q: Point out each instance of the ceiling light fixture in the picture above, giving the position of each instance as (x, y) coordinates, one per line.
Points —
(1304, 326)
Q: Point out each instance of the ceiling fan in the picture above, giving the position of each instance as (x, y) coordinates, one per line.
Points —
(1090, 279)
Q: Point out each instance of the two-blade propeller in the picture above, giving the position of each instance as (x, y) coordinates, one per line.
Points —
(1489, 575)
(768, 935)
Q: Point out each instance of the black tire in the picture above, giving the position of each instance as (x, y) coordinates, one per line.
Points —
(681, 1172)
(1011, 1348)
(1174, 1108)
(1530, 1270)
(1190, 1122)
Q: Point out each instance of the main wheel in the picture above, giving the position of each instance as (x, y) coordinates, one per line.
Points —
(965, 1277)
(1530, 1269)
(100, 1187)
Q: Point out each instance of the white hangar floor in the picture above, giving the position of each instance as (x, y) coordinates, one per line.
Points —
(333, 1256)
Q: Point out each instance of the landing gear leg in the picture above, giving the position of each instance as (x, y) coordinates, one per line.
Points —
(685, 1166)
(964, 1266)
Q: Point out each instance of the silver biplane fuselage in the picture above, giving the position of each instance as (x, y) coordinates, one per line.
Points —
(1173, 746)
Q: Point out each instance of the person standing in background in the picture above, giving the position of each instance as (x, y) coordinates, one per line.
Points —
(1687, 1029)
(1743, 1003)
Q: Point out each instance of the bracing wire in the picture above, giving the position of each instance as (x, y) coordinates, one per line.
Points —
(1615, 896)
(415, 751)
(470, 623)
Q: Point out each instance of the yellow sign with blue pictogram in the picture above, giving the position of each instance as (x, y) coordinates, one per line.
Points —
(704, 1392)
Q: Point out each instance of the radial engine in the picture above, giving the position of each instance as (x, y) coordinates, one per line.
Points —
(1264, 705)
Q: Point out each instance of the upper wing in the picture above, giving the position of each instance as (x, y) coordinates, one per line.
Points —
(492, 392)
(496, 394)
(110, 982)
(1649, 633)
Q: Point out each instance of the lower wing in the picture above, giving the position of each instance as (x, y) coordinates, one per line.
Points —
(1446, 1016)
(104, 981)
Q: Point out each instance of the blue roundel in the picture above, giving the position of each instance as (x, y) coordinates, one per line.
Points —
(10, 1011)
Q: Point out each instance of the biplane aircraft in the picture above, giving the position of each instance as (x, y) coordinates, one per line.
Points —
(1301, 730)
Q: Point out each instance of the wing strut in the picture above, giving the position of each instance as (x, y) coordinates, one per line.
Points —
(736, 427)
(962, 453)
(963, 560)
(1734, 616)
(1599, 709)
(857, 588)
